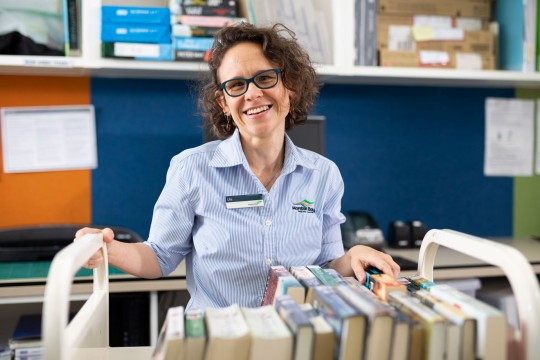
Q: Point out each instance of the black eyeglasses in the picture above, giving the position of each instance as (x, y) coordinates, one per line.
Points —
(264, 79)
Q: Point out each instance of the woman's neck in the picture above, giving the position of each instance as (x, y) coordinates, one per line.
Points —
(265, 159)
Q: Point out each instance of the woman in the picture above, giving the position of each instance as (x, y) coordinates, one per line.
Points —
(233, 208)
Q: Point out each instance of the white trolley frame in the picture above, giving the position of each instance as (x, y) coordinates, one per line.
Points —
(87, 335)
(513, 263)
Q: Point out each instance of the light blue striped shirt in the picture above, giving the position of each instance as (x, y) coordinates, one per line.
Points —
(228, 252)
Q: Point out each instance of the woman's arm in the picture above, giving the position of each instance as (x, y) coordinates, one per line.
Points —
(133, 258)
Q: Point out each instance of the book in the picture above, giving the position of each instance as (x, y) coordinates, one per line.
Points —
(73, 27)
(337, 276)
(135, 15)
(195, 335)
(65, 26)
(137, 51)
(228, 334)
(347, 322)
(510, 16)
(352, 281)
(380, 320)
(491, 329)
(299, 324)
(324, 277)
(270, 337)
(434, 324)
(170, 343)
(209, 21)
(405, 333)
(366, 32)
(281, 282)
(137, 33)
(27, 333)
(307, 279)
(324, 344)
(382, 285)
(194, 31)
(37, 353)
(461, 329)
(200, 8)
(192, 55)
(192, 43)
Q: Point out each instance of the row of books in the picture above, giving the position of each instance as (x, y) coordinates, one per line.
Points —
(183, 31)
(327, 316)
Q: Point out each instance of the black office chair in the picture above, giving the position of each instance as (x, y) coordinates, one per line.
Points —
(42, 242)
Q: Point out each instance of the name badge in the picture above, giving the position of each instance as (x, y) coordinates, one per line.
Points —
(244, 201)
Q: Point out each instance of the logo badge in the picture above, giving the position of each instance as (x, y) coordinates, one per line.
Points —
(304, 206)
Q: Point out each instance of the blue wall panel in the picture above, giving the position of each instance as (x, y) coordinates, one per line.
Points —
(417, 153)
(404, 152)
(141, 124)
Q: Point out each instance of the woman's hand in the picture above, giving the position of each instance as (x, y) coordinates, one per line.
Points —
(360, 257)
(97, 258)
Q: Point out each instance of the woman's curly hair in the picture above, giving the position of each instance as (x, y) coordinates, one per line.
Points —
(280, 46)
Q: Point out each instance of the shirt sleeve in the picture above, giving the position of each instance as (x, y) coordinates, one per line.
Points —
(172, 221)
(332, 243)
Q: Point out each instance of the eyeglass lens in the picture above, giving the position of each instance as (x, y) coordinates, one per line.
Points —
(263, 80)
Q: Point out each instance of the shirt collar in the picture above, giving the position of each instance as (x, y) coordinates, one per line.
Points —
(229, 153)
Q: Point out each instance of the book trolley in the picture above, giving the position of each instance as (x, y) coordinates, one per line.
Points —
(87, 335)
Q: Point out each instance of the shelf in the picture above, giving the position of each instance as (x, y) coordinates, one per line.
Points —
(60, 66)
(341, 72)
(41, 65)
(429, 77)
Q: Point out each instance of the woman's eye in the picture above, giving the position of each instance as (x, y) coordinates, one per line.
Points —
(235, 84)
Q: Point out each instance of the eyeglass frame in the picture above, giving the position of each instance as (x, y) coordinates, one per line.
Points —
(251, 80)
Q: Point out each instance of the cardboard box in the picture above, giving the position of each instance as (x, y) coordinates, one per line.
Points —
(475, 41)
(385, 21)
(464, 8)
(454, 60)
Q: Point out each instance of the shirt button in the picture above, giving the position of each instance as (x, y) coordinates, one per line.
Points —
(268, 222)
(268, 262)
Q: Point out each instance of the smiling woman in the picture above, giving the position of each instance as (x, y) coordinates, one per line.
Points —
(236, 206)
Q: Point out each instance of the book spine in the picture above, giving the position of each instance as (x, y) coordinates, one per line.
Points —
(137, 51)
(135, 15)
(371, 34)
(209, 21)
(195, 323)
(140, 33)
(193, 43)
(291, 313)
(322, 275)
(206, 10)
(269, 291)
(73, 18)
(194, 31)
(65, 25)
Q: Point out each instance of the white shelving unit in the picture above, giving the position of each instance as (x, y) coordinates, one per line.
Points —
(341, 71)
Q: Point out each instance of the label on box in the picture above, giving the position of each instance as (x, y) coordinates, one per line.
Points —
(428, 58)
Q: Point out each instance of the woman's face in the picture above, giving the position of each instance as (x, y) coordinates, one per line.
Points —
(257, 113)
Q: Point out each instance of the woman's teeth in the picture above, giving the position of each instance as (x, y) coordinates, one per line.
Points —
(257, 110)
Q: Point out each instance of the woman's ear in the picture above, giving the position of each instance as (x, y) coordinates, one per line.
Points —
(221, 101)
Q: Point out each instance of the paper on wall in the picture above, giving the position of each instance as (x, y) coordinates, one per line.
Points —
(509, 137)
(48, 138)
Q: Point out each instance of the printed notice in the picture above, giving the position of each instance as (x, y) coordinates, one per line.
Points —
(509, 137)
(48, 138)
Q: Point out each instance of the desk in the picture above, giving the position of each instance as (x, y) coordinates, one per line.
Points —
(450, 264)
(30, 290)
